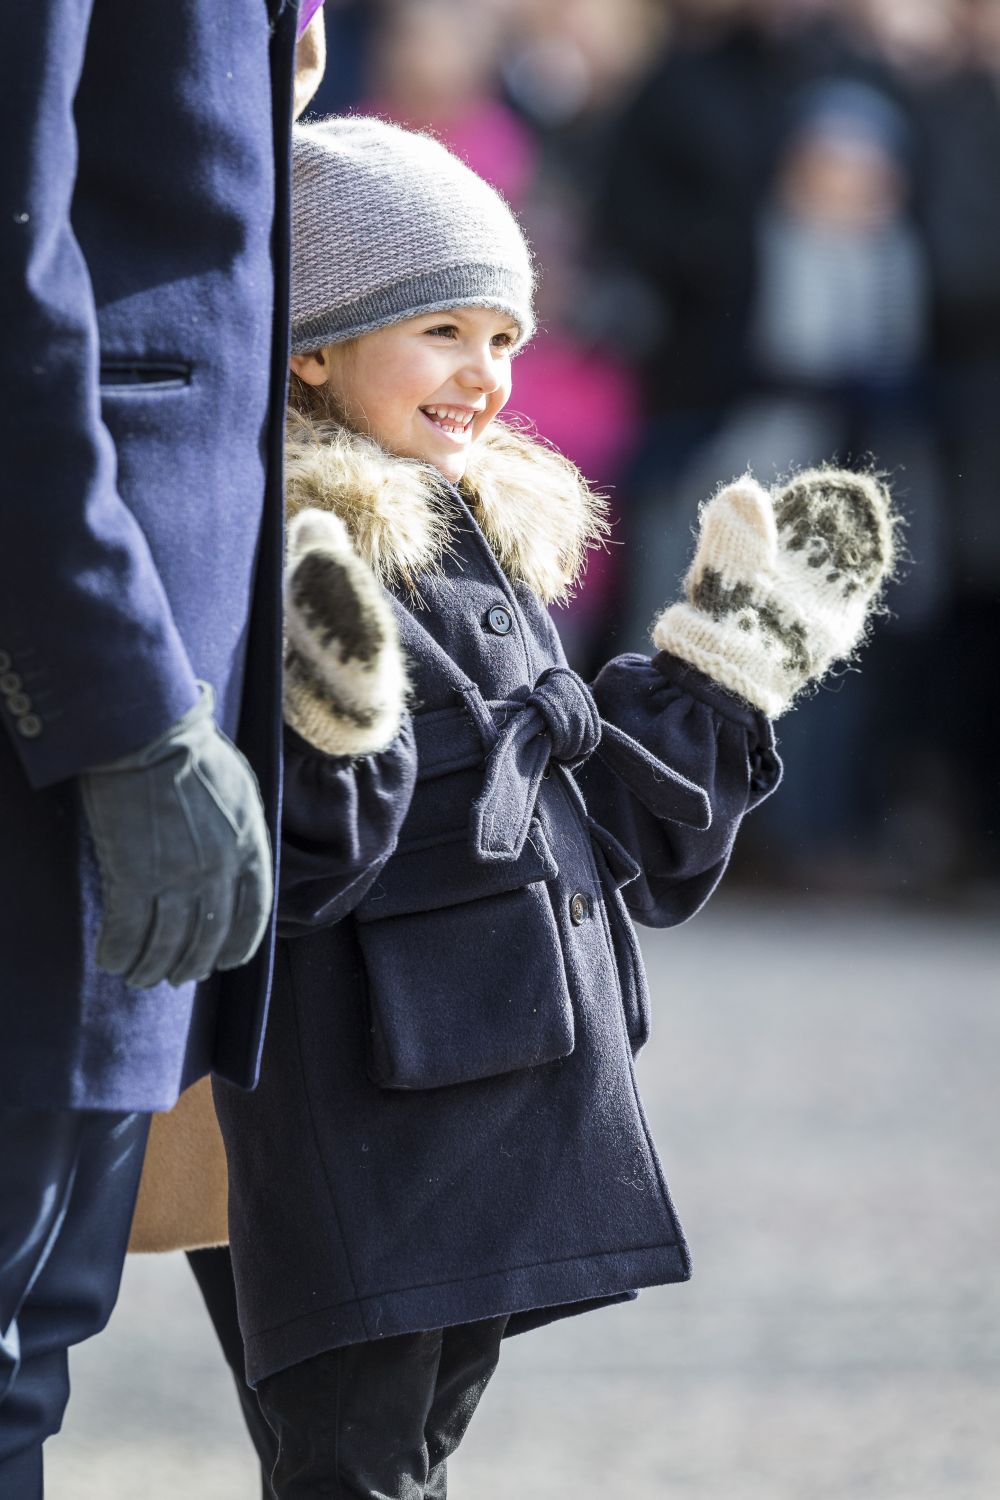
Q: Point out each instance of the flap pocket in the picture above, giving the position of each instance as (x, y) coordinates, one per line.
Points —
(466, 992)
(464, 963)
(426, 874)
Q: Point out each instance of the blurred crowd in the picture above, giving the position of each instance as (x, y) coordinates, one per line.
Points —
(769, 236)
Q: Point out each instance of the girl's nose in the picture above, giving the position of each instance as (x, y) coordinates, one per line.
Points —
(480, 370)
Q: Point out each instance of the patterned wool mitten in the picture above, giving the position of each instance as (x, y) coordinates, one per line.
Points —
(782, 585)
(345, 679)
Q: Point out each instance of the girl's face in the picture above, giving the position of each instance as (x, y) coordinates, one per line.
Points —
(425, 388)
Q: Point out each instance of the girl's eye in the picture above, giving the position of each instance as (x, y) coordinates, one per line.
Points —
(503, 340)
(444, 331)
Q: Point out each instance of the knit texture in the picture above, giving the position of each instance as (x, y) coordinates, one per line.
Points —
(344, 682)
(388, 223)
(782, 585)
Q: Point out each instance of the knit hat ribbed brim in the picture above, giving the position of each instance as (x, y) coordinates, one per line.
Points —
(387, 224)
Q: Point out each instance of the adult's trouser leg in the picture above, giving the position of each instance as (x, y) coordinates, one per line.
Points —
(213, 1271)
(377, 1421)
(68, 1182)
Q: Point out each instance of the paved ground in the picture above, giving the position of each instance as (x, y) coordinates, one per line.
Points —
(823, 1085)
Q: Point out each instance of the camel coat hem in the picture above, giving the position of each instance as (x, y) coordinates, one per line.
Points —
(184, 1192)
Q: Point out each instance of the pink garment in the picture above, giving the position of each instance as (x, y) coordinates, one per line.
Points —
(587, 405)
(495, 144)
(307, 10)
(487, 136)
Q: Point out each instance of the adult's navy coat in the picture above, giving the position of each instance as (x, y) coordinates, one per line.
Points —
(447, 1125)
(143, 235)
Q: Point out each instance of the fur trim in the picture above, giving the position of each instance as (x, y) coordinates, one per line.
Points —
(536, 510)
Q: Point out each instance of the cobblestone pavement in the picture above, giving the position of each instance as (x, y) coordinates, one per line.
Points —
(823, 1087)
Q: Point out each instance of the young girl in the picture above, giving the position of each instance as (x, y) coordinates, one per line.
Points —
(447, 1145)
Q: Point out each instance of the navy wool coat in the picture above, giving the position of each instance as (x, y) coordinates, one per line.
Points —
(143, 247)
(447, 1125)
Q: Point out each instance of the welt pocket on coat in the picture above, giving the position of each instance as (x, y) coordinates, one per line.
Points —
(143, 376)
(464, 966)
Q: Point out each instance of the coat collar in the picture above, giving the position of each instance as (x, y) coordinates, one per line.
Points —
(534, 507)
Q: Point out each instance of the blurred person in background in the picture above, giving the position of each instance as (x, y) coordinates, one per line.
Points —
(836, 363)
(957, 107)
(915, 39)
(784, 336)
(691, 159)
(570, 69)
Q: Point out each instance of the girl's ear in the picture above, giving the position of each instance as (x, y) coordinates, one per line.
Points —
(312, 368)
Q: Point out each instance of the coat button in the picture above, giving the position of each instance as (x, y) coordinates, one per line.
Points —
(5, 662)
(10, 683)
(30, 726)
(19, 703)
(500, 620)
(579, 908)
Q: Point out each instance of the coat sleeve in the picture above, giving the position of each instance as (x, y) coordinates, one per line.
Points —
(93, 663)
(715, 740)
(341, 818)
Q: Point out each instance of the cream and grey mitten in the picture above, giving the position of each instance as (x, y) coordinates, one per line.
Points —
(782, 584)
(345, 678)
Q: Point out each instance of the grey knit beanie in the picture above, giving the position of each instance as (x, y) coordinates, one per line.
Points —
(386, 224)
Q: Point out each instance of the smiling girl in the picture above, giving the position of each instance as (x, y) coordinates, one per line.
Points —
(447, 1144)
(428, 386)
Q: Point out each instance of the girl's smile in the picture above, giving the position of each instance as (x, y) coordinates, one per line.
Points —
(454, 421)
(427, 387)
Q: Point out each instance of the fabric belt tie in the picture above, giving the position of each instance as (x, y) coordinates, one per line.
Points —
(557, 720)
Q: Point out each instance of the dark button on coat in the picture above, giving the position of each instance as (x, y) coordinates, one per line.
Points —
(447, 1126)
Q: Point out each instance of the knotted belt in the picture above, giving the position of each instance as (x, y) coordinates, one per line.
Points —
(556, 720)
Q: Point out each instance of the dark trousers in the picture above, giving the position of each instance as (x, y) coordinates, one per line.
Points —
(376, 1420)
(68, 1182)
(213, 1271)
(379, 1421)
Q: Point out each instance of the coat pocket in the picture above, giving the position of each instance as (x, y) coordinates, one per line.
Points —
(464, 965)
(143, 377)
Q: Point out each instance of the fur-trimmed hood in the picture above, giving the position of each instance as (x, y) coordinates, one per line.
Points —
(536, 510)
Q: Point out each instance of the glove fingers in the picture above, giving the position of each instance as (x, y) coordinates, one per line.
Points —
(251, 911)
(211, 919)
(123, 933)
(167, 935)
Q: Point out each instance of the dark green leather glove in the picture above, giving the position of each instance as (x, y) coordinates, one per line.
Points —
(184, 853)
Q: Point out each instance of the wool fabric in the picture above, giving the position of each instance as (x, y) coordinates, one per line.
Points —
(388, 223)
(783, 585)
(344, 680)
(447, 1128)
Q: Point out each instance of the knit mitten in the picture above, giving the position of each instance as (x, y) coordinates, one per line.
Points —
(782, 585)
(345, 679)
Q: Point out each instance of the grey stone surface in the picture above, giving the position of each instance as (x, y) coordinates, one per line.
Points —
(823, 1087)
